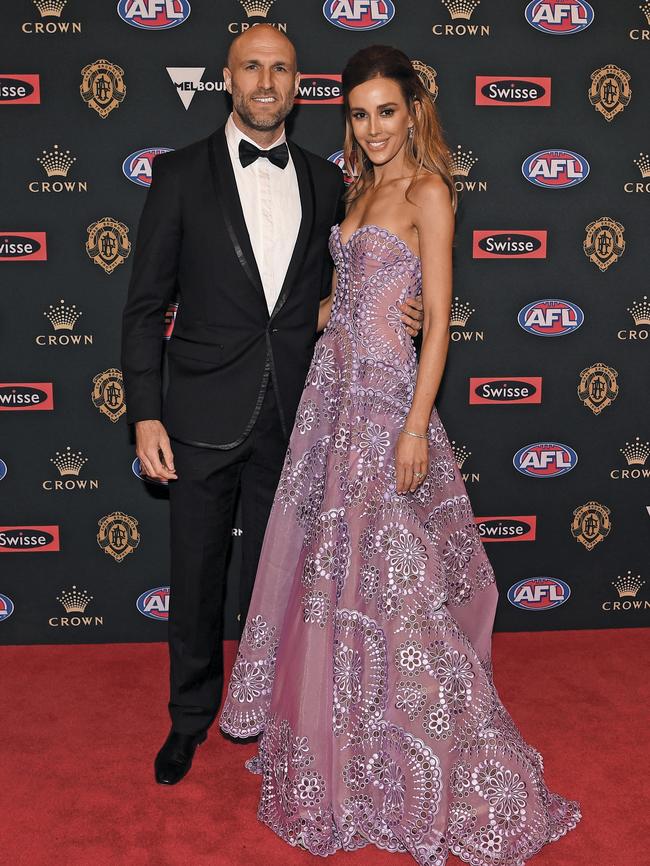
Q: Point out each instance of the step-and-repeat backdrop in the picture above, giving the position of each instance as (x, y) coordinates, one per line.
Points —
(545, 108)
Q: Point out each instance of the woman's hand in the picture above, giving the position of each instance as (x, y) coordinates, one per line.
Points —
(411, 462)
(412, 315)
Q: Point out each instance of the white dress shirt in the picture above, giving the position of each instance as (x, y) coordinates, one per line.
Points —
(270, 200)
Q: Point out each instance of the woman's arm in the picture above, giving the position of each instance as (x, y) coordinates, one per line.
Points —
(434, 220)
(326, 305)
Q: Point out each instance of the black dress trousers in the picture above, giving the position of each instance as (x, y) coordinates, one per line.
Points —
(202, 512)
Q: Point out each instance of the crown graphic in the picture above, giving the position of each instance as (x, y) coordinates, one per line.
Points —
(643, 162)
(63, 318)
(259, 8)
(636, 452)
(645, 8)
(74, 601)
(640, 311)
(460, 453)
(70, 462)
(460, 313)
(57, 162)
(50, 7)
(461, 162)
(461, 8)
(628, 586)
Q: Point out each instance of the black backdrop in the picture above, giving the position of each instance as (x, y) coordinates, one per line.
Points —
(59, 581)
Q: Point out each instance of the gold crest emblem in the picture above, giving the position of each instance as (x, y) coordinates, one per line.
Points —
(604, 244)
(118, 535)
(591, 524)
(610, 90)
(102, 86)
(427, 76)
(108, 245)
(598, 387)
(108, 394)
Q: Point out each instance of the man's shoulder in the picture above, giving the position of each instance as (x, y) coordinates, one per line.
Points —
(182, 158)
(322, 168)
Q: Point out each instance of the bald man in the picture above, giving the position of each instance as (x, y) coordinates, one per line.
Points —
(237, 225)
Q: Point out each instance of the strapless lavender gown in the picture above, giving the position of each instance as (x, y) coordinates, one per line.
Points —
(365, 659)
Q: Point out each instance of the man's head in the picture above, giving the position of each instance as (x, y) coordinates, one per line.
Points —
(262, 76)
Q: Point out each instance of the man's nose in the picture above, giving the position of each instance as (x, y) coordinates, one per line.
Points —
(264, 81)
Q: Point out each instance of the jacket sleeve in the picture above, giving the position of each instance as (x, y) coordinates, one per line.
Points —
(151, 288)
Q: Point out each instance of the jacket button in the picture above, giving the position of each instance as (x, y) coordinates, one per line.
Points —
(275, 330)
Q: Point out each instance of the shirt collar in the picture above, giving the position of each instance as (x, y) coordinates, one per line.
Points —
(234, 135)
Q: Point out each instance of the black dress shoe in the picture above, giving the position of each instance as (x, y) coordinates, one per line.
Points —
(174, 760)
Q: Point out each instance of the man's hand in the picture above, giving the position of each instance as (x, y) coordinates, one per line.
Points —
(152, 441)
(412, 315)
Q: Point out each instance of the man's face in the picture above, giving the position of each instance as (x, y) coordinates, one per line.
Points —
(262, 78)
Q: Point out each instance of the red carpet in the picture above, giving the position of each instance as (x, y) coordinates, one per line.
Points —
(80, 727)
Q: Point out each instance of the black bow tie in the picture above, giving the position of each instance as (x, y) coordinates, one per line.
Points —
(248, 153)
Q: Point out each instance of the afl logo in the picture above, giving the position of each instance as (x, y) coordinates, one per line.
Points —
(556, 169)
(137, 166)
(154, 603)
(551, 317)
(559, 17)
(136, 467)
(545, 459)
(539, 593)
(338, 159)
(3, 469)
(154, 14)
(359, 14)
(6, 607)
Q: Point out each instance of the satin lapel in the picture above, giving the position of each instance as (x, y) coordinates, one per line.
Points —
(306, 190)
(225, 188)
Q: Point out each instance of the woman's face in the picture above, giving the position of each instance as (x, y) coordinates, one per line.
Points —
(380, 118)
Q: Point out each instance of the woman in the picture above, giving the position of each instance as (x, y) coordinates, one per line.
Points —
(365, 660)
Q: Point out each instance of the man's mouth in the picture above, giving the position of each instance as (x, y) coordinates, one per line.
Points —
(264, 100)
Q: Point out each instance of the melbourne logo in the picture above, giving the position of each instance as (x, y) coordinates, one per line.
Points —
(23, 247)
(108, 245)
(545, 459)
(75, 601)
(20, 89)
(497, 90)
(597, 387)
(154, 14)
(359, 14)
(102, 86)
(56, 164)
(6, 607)
(118, 535)
(591, 524)
(640, 312)
(509, 244)
(19, 396)
(610, 91)
(556, 169)
(50, 12)
(515, 389)
(319, 90)
(29, 539)
(551, 317)
(154, 603)
(188, 80)
(63, 318)
(460, 12)
(461, 163)
(137, 166)
(69, 464)
(604, 244)
(539, 593)
(520, 528)
(460, 313)
(108, 394)
(559, 17)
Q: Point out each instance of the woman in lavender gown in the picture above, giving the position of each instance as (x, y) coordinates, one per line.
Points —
(365, 660)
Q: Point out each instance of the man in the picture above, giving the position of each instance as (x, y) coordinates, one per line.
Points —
(237, 224)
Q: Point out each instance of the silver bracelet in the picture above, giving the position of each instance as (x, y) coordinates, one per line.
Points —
(417, 435)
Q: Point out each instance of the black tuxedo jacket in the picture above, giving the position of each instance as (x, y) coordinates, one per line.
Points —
(192, 242)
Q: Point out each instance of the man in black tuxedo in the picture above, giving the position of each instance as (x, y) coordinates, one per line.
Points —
(237, 225)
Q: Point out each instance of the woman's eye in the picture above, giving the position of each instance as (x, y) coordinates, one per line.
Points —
(388, 112)
(358, 115)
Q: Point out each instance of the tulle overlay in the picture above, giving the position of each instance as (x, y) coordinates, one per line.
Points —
(365, 659)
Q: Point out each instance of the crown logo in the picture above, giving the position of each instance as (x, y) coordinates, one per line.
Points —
(461, 8)
(62, 317)
(70, 462)
(57, 162)
(257, 8)
(460, 453)
(645, 8)
(460, 313)
(643, 162)
(50, 8)
(636, 452)
(461, 162)
(74, 601)
(628, 586)
(640, 311)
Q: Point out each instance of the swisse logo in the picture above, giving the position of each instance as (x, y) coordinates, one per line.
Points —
(559, 17)
(320, 90)
(154, 14)
(359, 14)
(154, 603)
(19, 396)
(551, 317)
(520, 528)
(23, 247)
(170, 320)
(136, 468)
(19, 89)
(508, 244)
(497, 90)
(545, 459)
(28, 539)
(6, 607)
(516, 389)
(137, 166)
(539, 593)
(555, 169)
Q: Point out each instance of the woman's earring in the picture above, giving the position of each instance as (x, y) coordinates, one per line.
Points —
(410, 133)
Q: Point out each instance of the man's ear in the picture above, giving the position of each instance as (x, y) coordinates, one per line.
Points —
(227, 77)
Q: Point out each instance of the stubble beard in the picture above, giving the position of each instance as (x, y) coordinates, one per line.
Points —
(265, 123)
